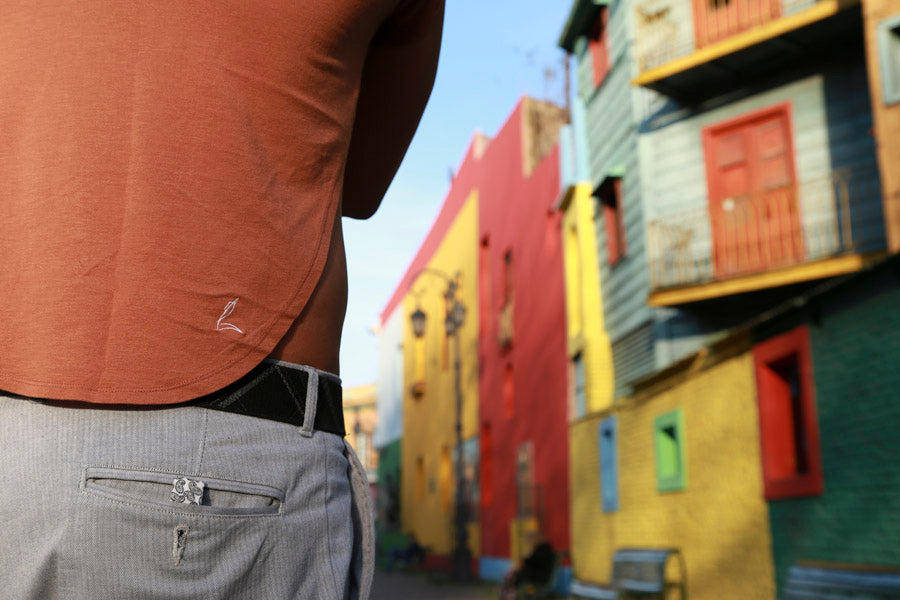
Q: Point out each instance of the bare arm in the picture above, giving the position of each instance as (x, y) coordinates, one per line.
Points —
(396, 83)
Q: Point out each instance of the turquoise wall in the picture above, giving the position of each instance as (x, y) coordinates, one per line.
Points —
(855, 340)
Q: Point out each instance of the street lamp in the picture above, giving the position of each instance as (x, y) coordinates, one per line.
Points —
(456, 314)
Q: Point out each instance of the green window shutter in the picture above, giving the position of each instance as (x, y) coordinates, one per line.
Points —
(671, 466)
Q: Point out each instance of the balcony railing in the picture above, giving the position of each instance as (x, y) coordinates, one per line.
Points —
(672, 29)
(766, 230)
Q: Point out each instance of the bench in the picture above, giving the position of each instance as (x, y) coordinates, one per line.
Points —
(825, 581)
(635, 570)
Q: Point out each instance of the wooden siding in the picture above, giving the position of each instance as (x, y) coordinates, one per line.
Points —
(633, 357)
(830, 131)
(612, 121)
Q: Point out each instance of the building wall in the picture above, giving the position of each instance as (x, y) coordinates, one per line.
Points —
(719, 522)
(522, 389)
(613, 117)
(855, 340)
(831, 123)
(584, 312)
(886, 117)
(429, 434)
(389, 385)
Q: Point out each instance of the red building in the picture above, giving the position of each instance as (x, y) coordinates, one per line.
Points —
(523, 389)
(523, 490)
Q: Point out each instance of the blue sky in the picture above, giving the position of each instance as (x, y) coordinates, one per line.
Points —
(493, 52)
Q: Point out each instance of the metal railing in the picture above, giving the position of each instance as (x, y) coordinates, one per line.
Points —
(769, 229)
(671, 29)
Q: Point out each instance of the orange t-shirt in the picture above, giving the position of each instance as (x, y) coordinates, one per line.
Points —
(170, 173)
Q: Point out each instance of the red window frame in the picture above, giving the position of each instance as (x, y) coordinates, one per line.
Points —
(786, 421)
(598, 42)
(610, 196)
(484, 283)
(487, 464)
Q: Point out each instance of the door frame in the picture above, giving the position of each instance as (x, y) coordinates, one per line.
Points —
(709, 133)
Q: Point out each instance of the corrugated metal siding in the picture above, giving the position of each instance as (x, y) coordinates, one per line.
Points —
(633, 357)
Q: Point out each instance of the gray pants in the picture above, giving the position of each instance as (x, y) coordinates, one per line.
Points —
(87, 509)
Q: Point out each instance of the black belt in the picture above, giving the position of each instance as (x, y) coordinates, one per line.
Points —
(277, 391)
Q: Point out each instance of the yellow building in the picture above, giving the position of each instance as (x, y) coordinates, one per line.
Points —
(360, 420)
(687, 475)
(590, 353)
(429, 405)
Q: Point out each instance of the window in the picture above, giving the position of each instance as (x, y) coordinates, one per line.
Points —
(671, 467)
(610, 196)
(484, 283)
(507, 277)
(889, 54)
(505, 317)
(609, 474)
(599, 46)
(579, 385)
(789, 432)
(445, 480)
(487, 464)
(420, 478)
(509, 391)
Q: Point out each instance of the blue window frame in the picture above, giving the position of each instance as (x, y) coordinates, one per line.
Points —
(609, 472)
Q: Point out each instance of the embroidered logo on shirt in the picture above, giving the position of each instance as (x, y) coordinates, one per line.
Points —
(221, 325)
(187, 491)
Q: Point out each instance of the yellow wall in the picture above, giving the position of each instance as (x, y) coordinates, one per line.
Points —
(429, 421)
(584, 309)
(720, 521)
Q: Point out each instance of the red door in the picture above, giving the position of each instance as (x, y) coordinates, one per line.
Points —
(752, 193)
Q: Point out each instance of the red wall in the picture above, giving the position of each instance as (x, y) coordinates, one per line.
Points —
(515, 214)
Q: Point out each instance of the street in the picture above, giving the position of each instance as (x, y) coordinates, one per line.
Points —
(427, 586)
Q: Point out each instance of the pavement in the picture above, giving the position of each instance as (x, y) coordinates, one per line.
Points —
(418, 585)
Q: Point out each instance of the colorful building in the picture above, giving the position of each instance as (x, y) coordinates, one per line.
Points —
(826, 381)
(429, 407)
(523, 387)
(497, 238)
(677, 466)
(606, 116)
(591, 381)
(730, 151)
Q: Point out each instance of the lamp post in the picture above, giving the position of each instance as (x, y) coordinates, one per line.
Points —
(456, 313)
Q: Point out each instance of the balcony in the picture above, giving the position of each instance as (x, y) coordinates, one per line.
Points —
(687, 48)
(798, 232)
